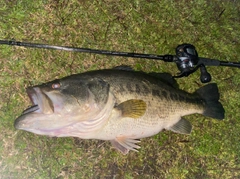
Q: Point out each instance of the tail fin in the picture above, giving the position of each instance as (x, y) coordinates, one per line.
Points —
(209, 93)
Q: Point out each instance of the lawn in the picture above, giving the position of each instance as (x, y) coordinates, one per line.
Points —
(150, 26)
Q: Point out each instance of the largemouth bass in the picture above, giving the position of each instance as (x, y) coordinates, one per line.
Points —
(117, 105)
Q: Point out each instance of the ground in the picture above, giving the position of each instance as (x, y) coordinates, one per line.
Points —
(142, 26)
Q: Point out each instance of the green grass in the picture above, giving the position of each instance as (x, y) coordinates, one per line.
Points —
(157, 27)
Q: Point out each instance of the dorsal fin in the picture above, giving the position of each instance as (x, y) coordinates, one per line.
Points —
(123, 67)
(166, 78)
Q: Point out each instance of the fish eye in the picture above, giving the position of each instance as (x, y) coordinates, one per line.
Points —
(56, 85)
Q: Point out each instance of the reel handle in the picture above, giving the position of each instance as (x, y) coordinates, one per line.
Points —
(205, 77)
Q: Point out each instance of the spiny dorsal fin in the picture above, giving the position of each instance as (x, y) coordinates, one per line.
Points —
(124, 68)
(183, 127)
(133, 108)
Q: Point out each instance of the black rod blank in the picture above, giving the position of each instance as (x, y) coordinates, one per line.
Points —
(85, 50)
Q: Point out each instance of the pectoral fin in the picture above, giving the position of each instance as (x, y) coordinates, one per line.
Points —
(123, 144)
(133, 108)
(183, 127)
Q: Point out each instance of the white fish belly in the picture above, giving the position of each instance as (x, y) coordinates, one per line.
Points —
(133, 128)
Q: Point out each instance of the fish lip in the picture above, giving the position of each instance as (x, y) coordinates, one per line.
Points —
(32, 94)
(31, 109)
(17, 122)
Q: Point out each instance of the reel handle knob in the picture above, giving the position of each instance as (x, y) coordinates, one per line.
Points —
(205, 76)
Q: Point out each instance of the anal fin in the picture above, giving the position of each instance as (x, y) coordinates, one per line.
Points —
(124, 145)
(182, 127)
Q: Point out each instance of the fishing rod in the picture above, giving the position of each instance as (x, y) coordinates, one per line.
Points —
(186, 57)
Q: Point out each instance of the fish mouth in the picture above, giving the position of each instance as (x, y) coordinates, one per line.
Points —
(41, 105)
(33, 97)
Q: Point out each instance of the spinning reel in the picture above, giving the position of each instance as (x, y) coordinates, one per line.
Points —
(186, 57)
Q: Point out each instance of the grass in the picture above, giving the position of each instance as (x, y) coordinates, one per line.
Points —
(157, 27)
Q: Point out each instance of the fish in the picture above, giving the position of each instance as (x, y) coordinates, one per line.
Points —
(119, 105)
